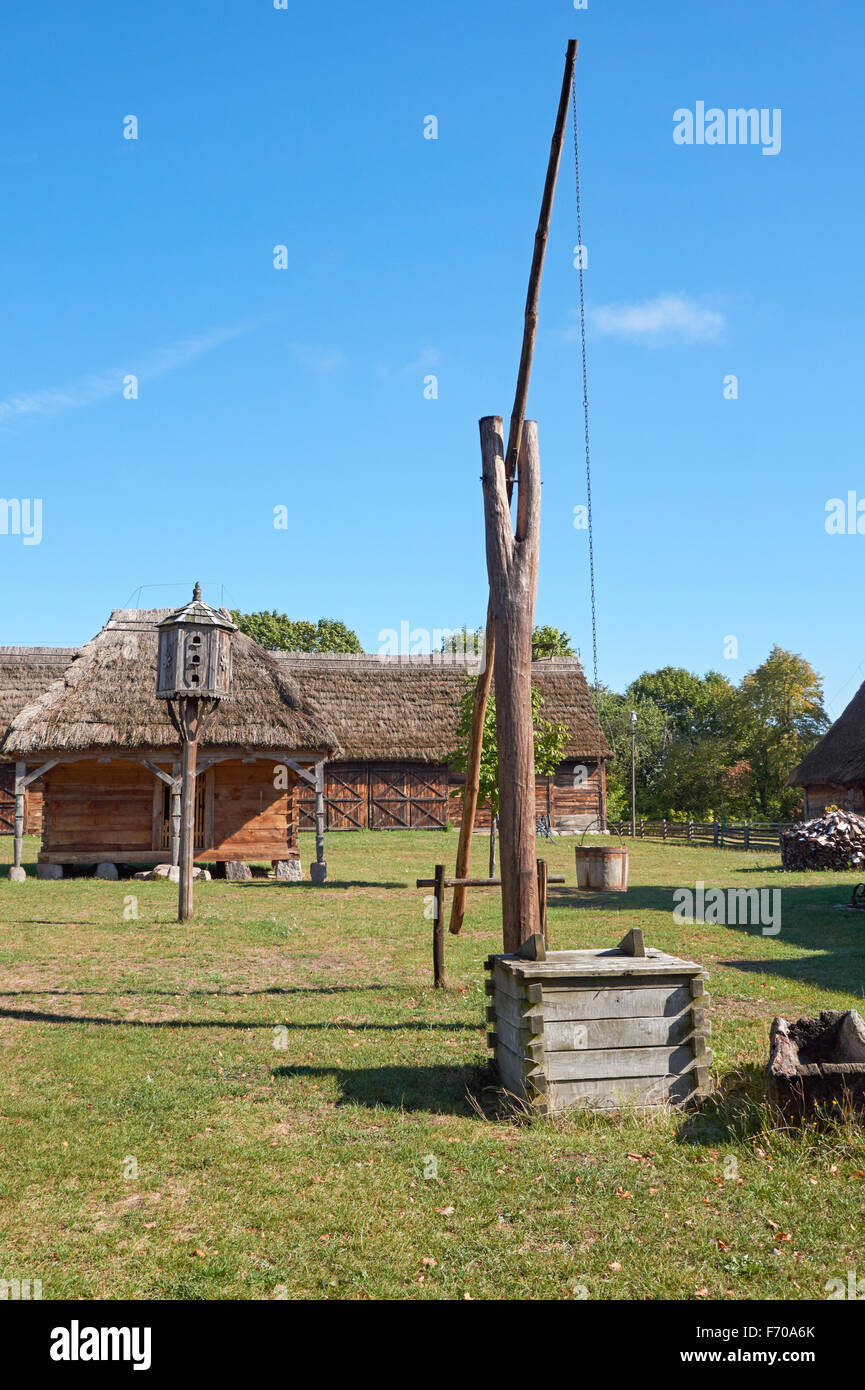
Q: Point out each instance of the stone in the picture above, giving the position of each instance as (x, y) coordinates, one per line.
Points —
(17, 874)
(237, 870)
(162, 871)
(318, 872)
(108, 871)
(204, 874)
(851, 1037)
(49, 871)
(288, 870)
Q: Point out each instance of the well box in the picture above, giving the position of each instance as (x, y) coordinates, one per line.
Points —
(599, 1028)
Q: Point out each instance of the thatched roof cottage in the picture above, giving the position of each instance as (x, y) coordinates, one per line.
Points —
(833, 773)
(396, 720)
(25, 673)
(108, 755)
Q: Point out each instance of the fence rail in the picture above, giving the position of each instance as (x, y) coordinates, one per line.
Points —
(750, 835)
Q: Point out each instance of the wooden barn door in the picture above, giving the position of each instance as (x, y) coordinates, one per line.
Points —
(7, 798)
(407, 798)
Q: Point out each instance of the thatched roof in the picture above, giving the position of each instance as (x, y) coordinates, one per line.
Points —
(384, 708)
(25, 674)
(838, 760)
(106, 698)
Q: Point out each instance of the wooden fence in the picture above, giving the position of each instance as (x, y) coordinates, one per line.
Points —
(750, 835)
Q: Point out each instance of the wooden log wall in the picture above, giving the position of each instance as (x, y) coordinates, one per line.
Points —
(402, 796)
(114, 811)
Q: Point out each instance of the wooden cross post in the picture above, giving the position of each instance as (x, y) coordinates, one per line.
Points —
(530, 329)
(439, 928)
(512, 565)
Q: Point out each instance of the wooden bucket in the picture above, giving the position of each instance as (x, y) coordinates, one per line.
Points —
(602, 868)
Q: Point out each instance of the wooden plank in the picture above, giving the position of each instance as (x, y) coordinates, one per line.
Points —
(616, 1001)
(631, 1061)
(519, 1040)
(595, 1034)
(610, 1095)
(519, 1012)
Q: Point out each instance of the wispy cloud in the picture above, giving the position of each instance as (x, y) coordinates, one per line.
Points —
(88, 390)
(668, 318)
(316, 358)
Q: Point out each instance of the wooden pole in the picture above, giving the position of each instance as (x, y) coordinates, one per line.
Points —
(512, 566)
(439, 928)
(175, 814)
(542, 898)
(187, 818)
(20, 793)
(530, 328)
(319, 813)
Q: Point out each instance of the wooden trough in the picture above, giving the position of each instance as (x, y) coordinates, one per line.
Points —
(817, 1067)
(599, 1028)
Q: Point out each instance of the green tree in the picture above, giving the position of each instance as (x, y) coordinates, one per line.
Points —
(550, 641)
(546, 642)
(780, 718)
(550, 742)
(277, 632)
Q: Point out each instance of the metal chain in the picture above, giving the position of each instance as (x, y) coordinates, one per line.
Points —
(588, 449)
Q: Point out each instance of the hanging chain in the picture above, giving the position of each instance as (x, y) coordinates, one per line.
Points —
(588, 449)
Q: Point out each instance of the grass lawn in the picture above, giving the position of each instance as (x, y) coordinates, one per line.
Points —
(294, 1096)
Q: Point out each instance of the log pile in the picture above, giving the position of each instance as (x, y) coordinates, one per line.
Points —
(835, 841)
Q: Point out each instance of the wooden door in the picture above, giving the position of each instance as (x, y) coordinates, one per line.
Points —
(407, 798)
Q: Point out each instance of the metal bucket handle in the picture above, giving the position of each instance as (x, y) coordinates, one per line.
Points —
(588, 827)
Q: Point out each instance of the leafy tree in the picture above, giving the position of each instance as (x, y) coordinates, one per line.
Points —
(550, 641)
(550, 741)
(277, 632)
(546, 642)
(653, 739)
(780, 718)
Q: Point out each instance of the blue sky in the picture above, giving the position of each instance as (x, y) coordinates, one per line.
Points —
(304, 387)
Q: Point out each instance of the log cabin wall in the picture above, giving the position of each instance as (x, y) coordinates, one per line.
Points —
(115, 811)
(98, 811)
(412, 795)
(817, 798)
(252, 818)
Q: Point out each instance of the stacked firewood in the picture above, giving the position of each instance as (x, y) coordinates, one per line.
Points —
(835, 841)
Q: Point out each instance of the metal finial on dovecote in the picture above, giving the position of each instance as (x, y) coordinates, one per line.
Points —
(196, 593)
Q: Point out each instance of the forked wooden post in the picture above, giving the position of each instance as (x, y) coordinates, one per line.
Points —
(512, 566)
(439, 928)
(530, 328)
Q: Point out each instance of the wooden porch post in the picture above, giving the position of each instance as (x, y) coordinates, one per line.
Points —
(20, 791)
(319, 813)
(175, 814)
(512, 565)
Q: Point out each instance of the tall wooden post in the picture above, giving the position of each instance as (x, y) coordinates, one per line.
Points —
(20, 793)
(319, 813)
(187, 818)
(542, 899)
(439, 928)
(530, 328)
(512, 565)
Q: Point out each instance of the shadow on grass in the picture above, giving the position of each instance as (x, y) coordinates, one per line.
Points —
(449, 1090)
(409, 1026)
(306, 887)
(736, 1110)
